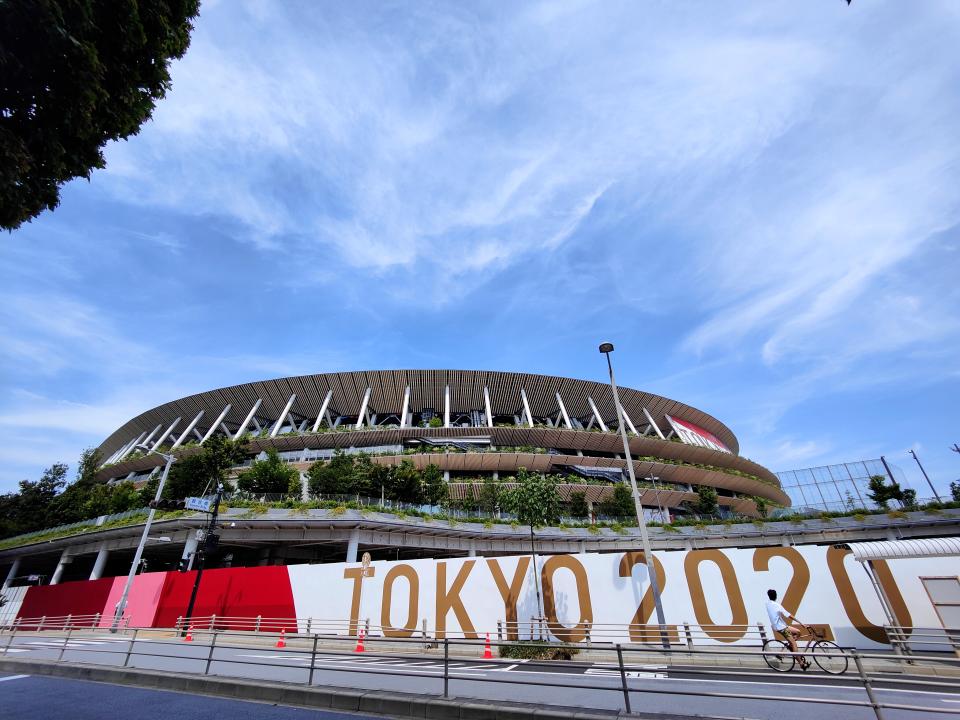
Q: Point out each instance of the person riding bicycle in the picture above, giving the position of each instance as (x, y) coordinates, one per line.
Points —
(786, 624)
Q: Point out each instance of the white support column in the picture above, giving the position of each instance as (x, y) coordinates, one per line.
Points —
(323, 409)
(183, 435)
(129, 449)
(61, 565)
(166, 433)
(446, 406)
(363, 409)
(406, 407)
(198, 435)
(100, 562)
(215, 424)
(243, 425)
(353, 545)
(629, 421)
(526, 406)
(563, 412)
(148, 438)
(226, 431)
(283, 416)
(11, 574)
(123, 448)
(596, 414)
(486, 402)
(653, 423)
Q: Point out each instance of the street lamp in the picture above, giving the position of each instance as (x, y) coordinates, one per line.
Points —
(607, 348)
(122, 603)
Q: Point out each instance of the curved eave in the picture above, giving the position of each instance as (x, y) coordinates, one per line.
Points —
(427, 390)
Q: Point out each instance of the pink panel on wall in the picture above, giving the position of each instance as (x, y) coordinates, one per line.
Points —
(141, 603)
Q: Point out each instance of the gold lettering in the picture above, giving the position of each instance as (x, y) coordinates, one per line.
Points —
(579, 631)
(851, 605)
(413, 601)
(691, 568)
(356, 574)
(640, 630)
(510, 593)
(448, 600)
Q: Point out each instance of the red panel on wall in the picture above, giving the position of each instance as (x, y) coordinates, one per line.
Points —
(229, 592)
(83, 597)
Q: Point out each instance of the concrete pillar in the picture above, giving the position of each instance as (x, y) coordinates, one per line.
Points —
(446, 476)
(100, 562)
(304, 487)
(14, 569)
(496, 475)
(353, 545)
(190, 549)
(472, 552)
(58, 573)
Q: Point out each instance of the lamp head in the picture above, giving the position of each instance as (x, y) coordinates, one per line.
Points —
(606, 348)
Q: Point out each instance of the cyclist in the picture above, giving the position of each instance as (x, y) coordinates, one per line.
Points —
(786, 624)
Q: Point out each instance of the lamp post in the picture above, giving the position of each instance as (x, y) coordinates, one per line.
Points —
(122, 603)
(607, 348)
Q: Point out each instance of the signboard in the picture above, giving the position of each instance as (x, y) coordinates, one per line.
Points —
(696, 435)
(196, 503)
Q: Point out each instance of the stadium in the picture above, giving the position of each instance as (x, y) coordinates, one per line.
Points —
(471, 424)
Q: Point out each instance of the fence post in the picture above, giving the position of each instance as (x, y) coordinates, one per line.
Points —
(69, 622)
(256, 627)
(689, 635)
(623, 680)
(64, 646)
(499, 630)
(309, 624)
(366, 626)
(213, 619)
(446, 667)
(133, 639)
(587, 630)
(313, 659)
(213, 642)
(866, 685)
(43, 619)
(763, 632)
(96, 620)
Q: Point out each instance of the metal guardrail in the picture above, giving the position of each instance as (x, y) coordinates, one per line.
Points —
(142, 642)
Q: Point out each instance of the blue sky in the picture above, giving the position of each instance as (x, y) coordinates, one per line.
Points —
(757, 203)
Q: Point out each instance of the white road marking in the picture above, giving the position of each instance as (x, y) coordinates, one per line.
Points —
(13, 677)
(950, 701)
(16, 650)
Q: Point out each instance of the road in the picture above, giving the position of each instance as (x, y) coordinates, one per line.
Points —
(653, 688)
(22, 697)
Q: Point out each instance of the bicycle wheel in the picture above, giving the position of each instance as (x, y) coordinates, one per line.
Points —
(778, 656)
(829, 657)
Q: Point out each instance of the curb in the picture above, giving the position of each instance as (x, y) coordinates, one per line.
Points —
(373, 702)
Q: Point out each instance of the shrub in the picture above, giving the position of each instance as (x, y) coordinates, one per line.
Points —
(536, 650)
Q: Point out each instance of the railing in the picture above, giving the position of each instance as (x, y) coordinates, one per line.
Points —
(616, 669)
(55, 622)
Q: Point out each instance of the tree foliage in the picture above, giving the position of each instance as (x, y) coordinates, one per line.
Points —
(434, 487)
(200, 473)
(620, 503)
(706, 504)
(882, 492)
(76, 74)
(269, 476)
(578, 504)
(955, 490)
(535, 499)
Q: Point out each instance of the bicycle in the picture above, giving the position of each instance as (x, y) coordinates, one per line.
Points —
(828, 656)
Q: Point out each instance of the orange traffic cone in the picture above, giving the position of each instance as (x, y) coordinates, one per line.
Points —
(189, 636)
(487, 654)
(359, 647)
(282, 641)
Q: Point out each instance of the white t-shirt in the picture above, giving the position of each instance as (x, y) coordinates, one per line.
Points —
(773, 612)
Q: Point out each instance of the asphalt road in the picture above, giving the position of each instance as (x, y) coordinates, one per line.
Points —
(23, 696)
(653, 688)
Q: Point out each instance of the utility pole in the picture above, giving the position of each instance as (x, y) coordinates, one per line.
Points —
(606, 349)
(210, 540)
(925, 474)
